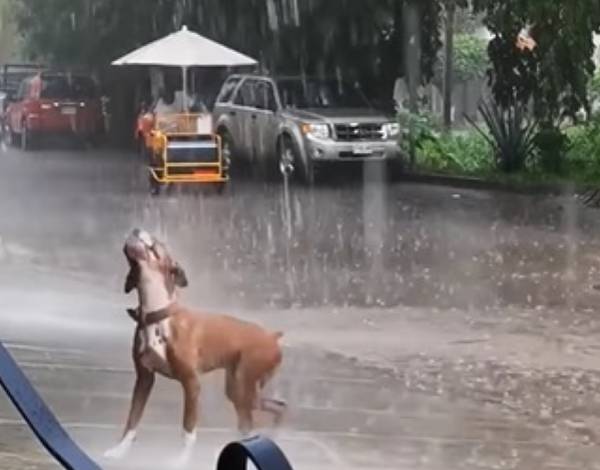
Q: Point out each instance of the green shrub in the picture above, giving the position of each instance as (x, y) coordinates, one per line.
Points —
(457, 152)
(423, 126)
(551, 146)
(553, 155)
(510, 132)
(594, 87)
(467, 153)
(583, 156)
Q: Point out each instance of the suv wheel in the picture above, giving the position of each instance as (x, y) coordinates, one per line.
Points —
(226, 150)
(287, 157)
(290, 162)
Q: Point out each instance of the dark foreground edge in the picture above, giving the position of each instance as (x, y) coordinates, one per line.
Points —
(263, 452)
(38, 416)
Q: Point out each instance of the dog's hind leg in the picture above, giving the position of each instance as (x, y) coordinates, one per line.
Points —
(230, 385)
(274, 407)
(241, 391)
(141, 391)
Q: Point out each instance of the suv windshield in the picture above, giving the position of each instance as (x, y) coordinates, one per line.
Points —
(61, 87)
(312, 93)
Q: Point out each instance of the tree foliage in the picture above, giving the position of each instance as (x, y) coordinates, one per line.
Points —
(470, 57)
(325, 36)
(556, 73)
(10, 40)
(595, 87)
(467, 21)
(287, 36)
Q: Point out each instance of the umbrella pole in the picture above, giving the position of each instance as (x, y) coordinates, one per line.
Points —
(185, 100)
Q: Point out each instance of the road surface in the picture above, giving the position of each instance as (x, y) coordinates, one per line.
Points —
(425, 327)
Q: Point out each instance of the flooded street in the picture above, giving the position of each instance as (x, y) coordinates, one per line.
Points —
(425, 327)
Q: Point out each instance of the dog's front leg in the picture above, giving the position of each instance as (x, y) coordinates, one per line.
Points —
(141, 391)
(191, 392)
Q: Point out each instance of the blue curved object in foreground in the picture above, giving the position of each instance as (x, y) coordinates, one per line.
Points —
(264, 454)
(39, 417)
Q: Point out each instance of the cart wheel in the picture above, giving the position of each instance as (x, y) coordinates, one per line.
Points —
(220, 188)
(155, 186)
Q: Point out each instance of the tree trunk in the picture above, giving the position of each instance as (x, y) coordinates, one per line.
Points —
(412, 42)
(448, 63)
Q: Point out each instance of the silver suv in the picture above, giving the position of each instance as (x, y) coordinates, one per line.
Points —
(299, 124)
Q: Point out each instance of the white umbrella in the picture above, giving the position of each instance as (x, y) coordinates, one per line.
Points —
(185, 49)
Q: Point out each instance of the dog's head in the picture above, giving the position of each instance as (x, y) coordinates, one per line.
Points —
(144, 252)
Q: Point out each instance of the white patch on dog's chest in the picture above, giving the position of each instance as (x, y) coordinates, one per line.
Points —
(152, 291)
(153, 346)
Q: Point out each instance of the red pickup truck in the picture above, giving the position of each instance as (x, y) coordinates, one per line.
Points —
(50, 103)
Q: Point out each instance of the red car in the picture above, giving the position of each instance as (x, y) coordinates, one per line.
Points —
(54, 104)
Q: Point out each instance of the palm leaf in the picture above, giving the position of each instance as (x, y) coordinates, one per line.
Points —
(509, 132)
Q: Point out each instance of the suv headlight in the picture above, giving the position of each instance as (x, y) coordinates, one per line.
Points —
(390, 130)
(317, 131)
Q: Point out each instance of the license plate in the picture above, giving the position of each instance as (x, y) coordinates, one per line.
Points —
(362, 150)
(68, 110)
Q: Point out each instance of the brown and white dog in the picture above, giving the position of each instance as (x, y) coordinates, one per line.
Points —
(179, 343)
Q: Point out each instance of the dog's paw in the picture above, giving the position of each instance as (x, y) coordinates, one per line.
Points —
(117, 452)
(122, 448)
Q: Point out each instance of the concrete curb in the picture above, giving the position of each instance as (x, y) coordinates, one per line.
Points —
(465, 182)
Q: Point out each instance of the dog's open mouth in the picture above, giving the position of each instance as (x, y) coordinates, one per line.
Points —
(144, 237)
(139, 244)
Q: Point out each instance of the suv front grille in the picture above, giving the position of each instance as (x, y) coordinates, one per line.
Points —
(354, 132)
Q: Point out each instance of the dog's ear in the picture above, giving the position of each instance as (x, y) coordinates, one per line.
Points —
(133, 278)
(131, 282)
(179, 276)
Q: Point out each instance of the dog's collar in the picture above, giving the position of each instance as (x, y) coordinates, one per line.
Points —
(152, 318)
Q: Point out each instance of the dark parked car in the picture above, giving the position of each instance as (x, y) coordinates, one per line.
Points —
(57, 104)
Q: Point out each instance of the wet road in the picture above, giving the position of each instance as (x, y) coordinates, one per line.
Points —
(425, 327)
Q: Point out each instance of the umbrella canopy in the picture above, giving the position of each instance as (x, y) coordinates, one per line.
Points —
(185, 48)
